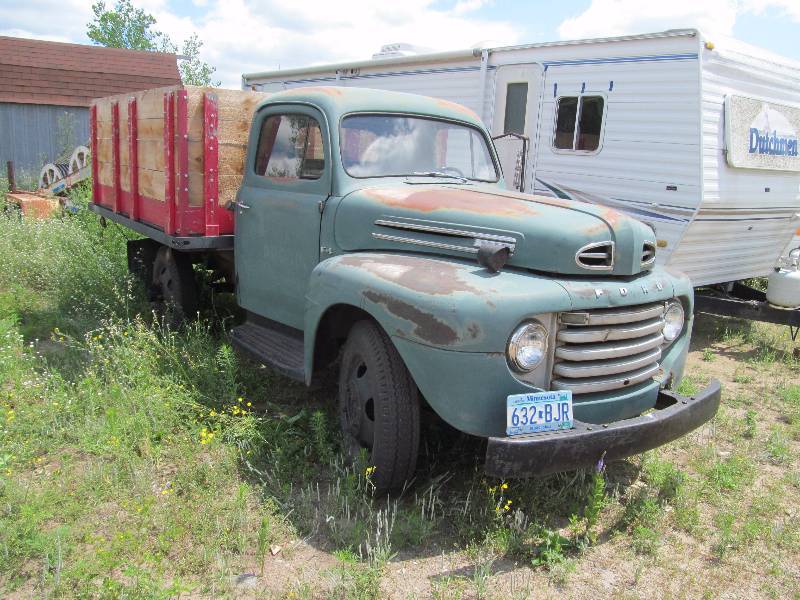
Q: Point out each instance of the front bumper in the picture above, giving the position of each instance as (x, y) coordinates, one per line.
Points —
(551, 452)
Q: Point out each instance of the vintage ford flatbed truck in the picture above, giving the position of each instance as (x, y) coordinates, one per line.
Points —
(374, 232)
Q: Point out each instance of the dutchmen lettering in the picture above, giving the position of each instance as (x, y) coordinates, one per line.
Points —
(772, 143)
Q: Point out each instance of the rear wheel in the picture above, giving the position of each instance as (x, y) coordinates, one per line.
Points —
(174, 291)
(378, 406)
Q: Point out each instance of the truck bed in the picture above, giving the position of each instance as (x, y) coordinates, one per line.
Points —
(170, 159)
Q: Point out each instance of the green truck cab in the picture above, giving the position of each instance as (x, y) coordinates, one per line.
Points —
(374, 233)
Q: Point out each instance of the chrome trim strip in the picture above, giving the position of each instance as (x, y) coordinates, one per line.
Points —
(602, 351)
(609, 255)
(627, 314)
(429, 244)
(625, 331)
(446, 231)
(602, 384)
(606, 367)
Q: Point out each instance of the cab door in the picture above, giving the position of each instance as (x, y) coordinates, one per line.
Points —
(278, 211)
(517, 94)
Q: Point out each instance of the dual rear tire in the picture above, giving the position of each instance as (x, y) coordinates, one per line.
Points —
(173, 290)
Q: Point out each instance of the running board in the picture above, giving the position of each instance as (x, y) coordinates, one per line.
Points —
(273, 344)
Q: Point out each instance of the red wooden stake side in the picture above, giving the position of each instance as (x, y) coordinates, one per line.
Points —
(116, 203)
(184, 226)
(211, 163)
(133, 158)
(95, 170)
(169, 162)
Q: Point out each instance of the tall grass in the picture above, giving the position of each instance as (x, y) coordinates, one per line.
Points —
(69, 272)
(164, 451)
(138, 461)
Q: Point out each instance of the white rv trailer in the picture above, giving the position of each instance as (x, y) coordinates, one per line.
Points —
(695, 136)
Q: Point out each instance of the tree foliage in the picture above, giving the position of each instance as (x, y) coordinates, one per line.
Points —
(193, 70)
(125, 26)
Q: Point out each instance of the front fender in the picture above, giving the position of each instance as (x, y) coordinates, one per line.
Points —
(445, 303)
(450, 321)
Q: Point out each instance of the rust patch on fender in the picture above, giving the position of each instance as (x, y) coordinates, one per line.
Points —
(424, 275)
(444, 198)
(426, 326)
(459, 108)
(474, 330)
(612, 216)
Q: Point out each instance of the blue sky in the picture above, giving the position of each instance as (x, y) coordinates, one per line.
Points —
(256, 35)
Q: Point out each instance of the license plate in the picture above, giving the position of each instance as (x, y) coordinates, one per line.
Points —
(540, 411)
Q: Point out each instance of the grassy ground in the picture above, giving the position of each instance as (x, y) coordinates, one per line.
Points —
(137, 462)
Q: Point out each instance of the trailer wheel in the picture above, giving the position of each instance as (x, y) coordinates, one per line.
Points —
(174, 291)
(378, 406)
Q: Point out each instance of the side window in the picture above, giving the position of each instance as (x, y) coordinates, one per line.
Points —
(290, 148)
(516, 105)
(579, 122)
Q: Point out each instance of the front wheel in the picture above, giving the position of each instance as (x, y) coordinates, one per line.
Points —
(378, 406)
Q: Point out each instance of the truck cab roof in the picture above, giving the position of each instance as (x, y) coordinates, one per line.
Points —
(336, 102)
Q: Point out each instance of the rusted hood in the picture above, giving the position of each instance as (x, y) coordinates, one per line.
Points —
(545, 233)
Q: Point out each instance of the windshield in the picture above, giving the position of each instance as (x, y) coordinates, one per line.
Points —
(395, 145)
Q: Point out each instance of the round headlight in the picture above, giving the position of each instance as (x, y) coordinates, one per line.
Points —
(527, 347)
(673, 321)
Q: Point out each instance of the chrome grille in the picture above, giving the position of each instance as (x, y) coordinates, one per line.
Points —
(608, 349)
(648, 254)
(598, 256)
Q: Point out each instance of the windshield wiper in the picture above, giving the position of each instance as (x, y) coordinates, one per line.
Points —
(460, 178)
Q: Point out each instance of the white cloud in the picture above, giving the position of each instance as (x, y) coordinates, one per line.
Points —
(255, 35)
(24, 33)
(713, 17)
(791, 8)
(619, 17)
(59, 20)
(465, 6)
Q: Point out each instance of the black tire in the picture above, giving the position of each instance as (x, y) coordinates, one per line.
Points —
(378, 406)
(174, 291)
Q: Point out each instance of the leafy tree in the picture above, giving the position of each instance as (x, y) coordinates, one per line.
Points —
(126, 26)
(193, 70)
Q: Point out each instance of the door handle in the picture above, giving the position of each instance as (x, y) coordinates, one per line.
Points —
(241, 205)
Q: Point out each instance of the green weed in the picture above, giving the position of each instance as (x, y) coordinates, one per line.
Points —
(688, 387)
(729, 474)
(778, 448)
(750, 424)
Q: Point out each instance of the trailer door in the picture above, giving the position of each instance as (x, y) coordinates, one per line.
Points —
(517, 91)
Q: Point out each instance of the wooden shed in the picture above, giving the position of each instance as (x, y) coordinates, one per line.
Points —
(46, 89)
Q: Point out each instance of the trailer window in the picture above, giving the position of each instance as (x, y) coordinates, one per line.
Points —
(290, 148)
(516, 105)
(579, 123)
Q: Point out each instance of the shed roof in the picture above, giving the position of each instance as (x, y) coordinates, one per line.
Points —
(39, 72)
